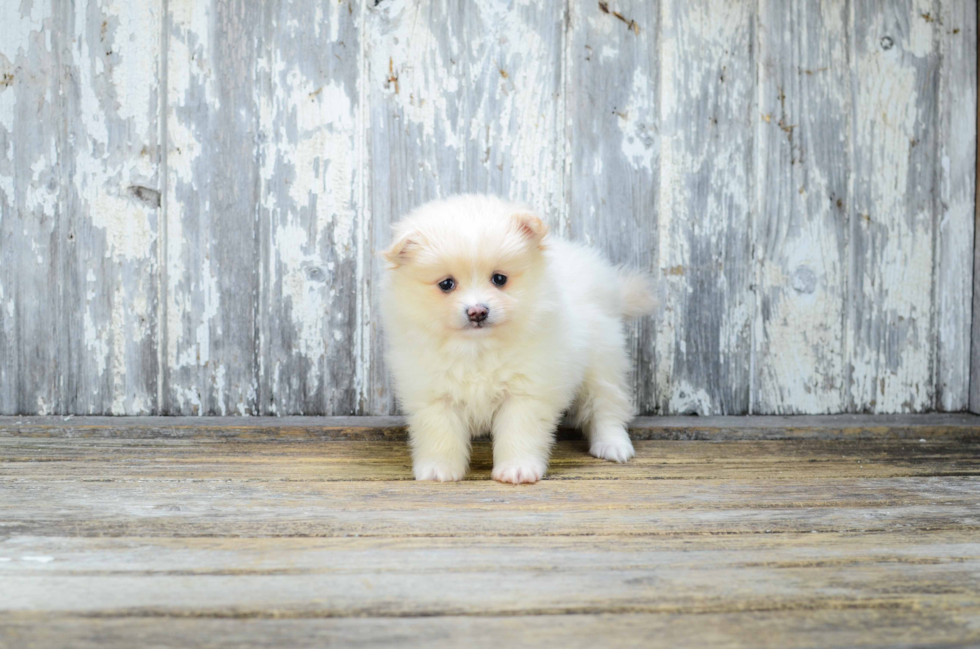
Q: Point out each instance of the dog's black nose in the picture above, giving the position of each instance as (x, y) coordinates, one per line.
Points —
(477, 313)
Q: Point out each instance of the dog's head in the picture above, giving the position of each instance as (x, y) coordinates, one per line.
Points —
(467, 266)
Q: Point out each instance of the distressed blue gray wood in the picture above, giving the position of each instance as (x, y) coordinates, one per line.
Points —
(191, 193)
(891, 322)
(708, 127)
(309, 206)
(803, 204)
(111, 160)
(612, 112)
(957, 198)
(79, 120)
(213, 192)
(34, 337)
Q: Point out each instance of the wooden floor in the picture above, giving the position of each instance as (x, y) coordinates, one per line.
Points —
(775, 532)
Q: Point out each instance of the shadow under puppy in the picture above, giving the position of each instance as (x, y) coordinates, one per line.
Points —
(494, 325)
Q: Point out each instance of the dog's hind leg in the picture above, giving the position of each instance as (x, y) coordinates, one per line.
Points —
(603, 407)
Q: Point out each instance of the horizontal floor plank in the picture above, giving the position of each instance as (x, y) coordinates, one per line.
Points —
(285, 508)
(248, 578)
(84, 459)
(863, 627)
(287, 555)
(954, 425)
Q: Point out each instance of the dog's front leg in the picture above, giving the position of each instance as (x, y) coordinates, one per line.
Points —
(523, 434)
(440, 443)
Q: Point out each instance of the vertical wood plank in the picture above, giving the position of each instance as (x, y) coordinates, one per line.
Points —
(212, 197)
(113, 203)
(308, 113)
(33, 215)
(957, 186)
(612, 115)
(462, 96)
(801, 228)
(975, 329)
(892, 231)
(708, 115)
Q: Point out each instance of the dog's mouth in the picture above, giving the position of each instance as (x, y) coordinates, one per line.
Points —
(475, 326)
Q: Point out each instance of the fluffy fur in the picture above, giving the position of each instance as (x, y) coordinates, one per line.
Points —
(552, 340)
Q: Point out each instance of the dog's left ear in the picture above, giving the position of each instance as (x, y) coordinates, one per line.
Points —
(531, 227)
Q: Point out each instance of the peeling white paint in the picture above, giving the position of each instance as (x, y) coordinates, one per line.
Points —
(8, 102)
(799, 231)
(128, 232)
(958, 151)
(212, 297)
(42, 406)
(308, 307)
(42, 195)
(898, 287)
(190, 305)
(96, 342)
(689, 400)
(322, 157)
(919, 40)
(636, 121)
(20, 27)
(421, 90)
(481, 109)
(704, 200)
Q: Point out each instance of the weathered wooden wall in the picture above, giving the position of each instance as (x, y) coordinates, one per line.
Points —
(191, 191)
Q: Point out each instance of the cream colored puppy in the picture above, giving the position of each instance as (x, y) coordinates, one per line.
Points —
(495, 326)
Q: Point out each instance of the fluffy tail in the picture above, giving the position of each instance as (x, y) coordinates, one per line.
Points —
(637, 292)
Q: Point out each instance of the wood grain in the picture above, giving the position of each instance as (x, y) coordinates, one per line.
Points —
(957, 186)
(975, 329)
(34, 217)
(800, 231)
(112, 578)
(213, 189)
(113, 534)
(191, 193)
(309, 205)
(313, 462)
(80, 118)
(707, 124)
(110, 278)
(891, 325)
(846, 627)
(612, 85)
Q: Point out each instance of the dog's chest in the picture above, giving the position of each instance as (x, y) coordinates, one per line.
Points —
(480, 382)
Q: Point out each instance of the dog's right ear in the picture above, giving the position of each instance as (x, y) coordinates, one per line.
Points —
(401, 251)
(531, 227)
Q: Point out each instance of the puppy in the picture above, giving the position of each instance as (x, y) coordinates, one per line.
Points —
(494, 326)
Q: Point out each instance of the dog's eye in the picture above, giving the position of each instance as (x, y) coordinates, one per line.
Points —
(447, 284)
(498, 279)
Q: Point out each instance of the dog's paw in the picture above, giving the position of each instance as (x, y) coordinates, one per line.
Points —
(438, 472)
(616, 449)
(518, 472)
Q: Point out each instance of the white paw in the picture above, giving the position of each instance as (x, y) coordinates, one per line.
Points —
(518, 472)
(617, 449)
(438, 472)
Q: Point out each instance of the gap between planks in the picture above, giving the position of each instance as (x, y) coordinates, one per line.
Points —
(959, 426)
